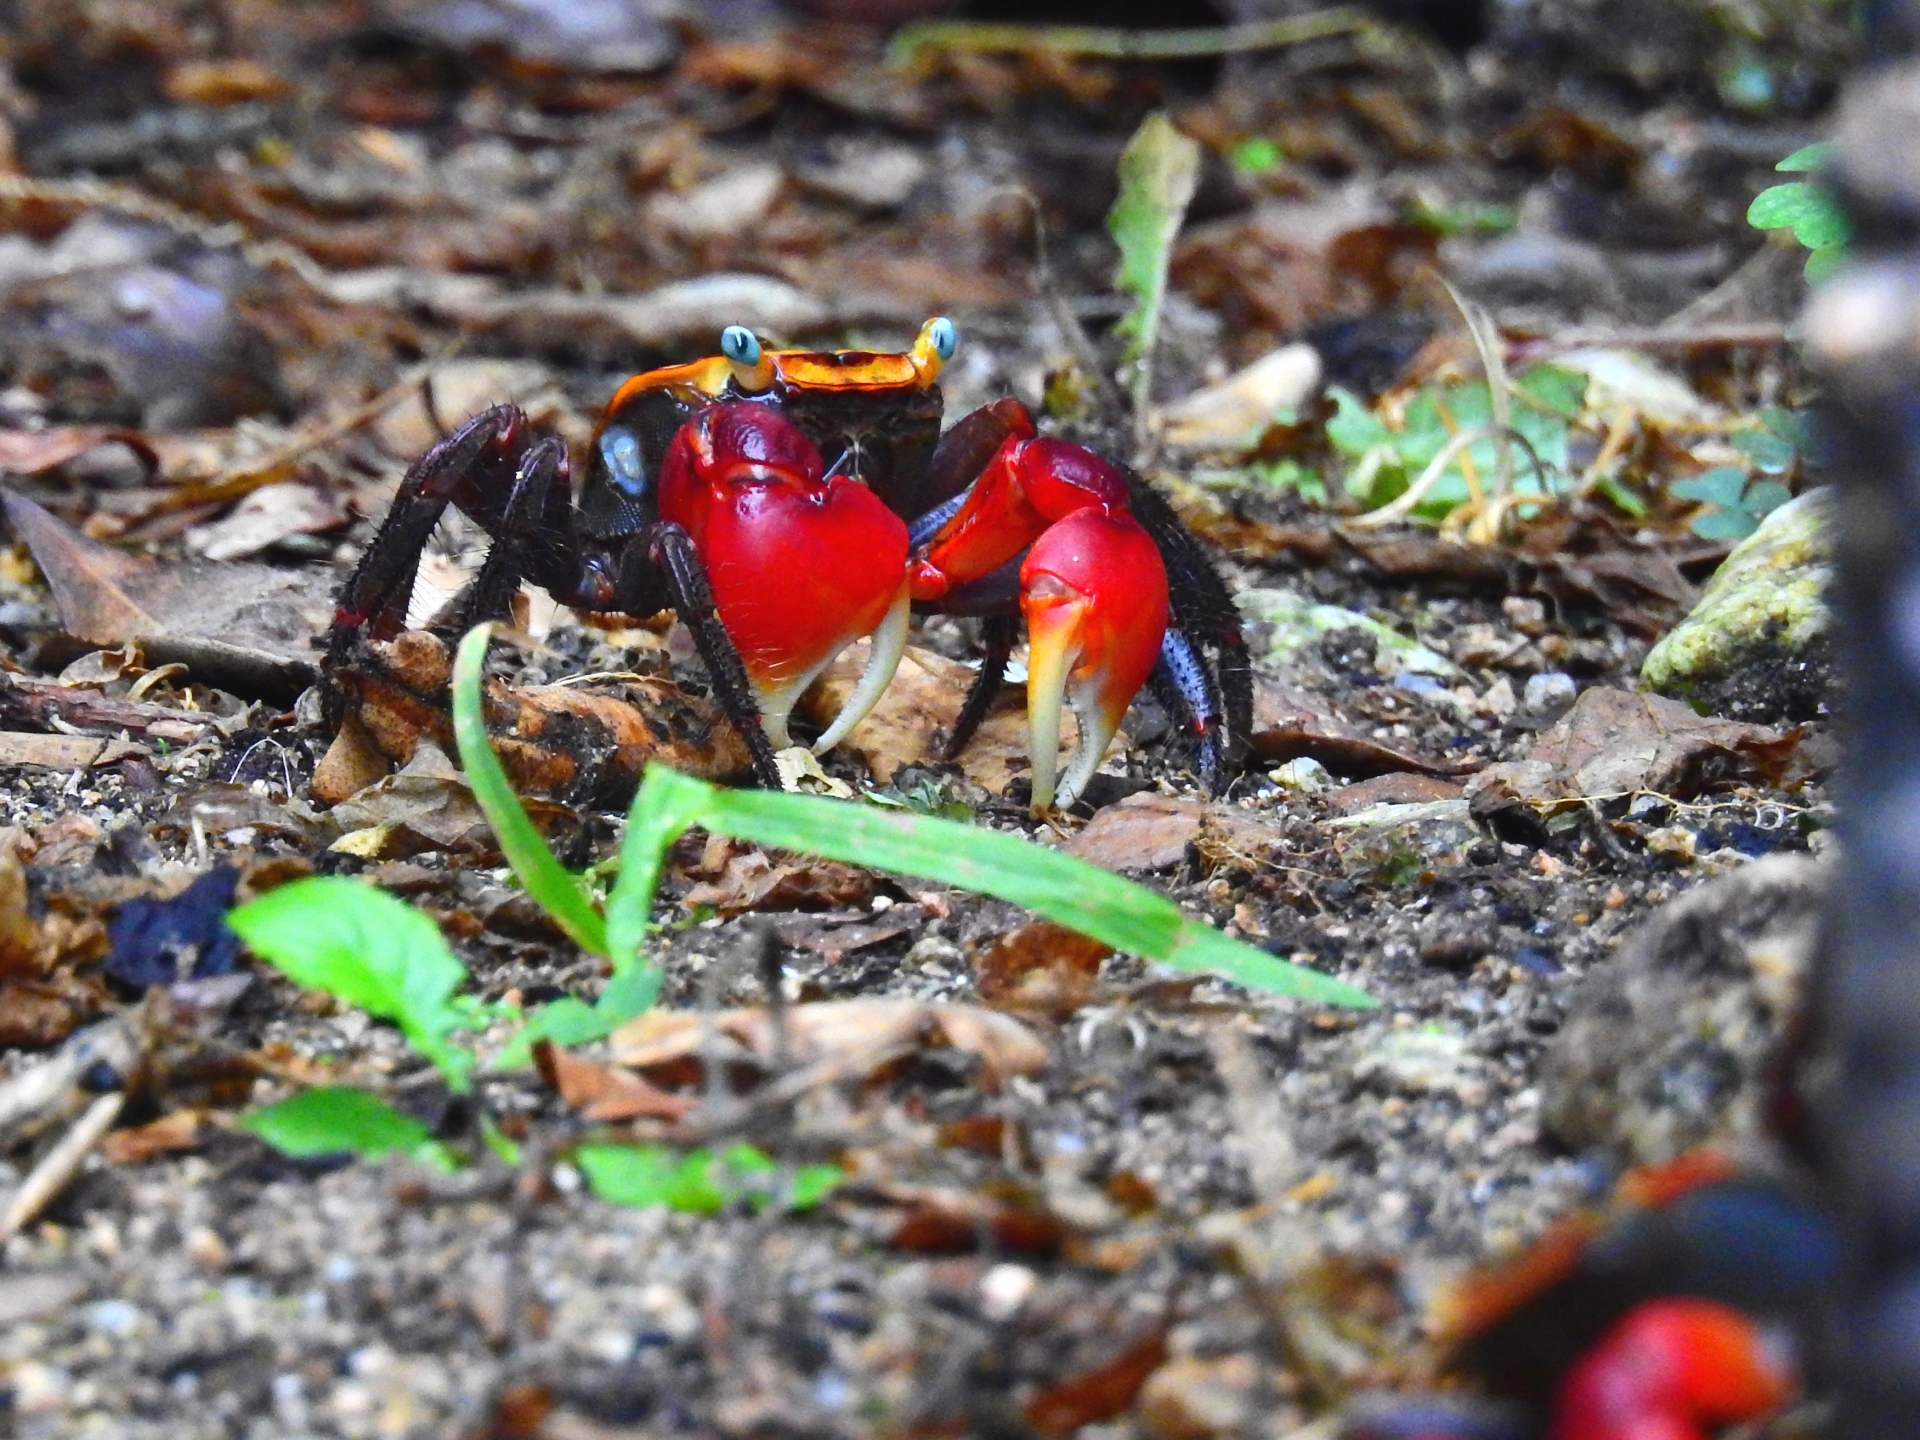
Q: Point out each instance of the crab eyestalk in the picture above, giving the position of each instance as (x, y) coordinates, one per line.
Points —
(800, 564)
(1094, 592)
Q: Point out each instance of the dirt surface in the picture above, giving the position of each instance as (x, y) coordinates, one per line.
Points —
(256, 257)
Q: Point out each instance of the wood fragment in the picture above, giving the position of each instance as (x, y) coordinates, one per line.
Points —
(18, 749)
(60, 1164)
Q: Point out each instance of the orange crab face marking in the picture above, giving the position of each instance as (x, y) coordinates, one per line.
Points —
(749, 373)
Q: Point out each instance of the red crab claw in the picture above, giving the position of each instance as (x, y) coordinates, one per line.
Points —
(1094, 591)
(800, 564)
(1093, 587)
(1675, 1369)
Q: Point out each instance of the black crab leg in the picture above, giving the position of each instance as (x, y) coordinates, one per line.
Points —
(373, 602)
(1186, 685)
(670, 551)
(537, 510)
(1218, 698)
(997, 634)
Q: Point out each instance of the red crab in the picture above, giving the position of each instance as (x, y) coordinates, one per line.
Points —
(709, 491)
(1667, 1314)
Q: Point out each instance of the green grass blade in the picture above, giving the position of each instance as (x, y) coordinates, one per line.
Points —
(1062, 888)
(547, 881)
(666, 805)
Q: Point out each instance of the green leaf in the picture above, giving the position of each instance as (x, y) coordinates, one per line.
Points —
(359, 944)
(1815, 217)
(1624, 496)
(1288, 473)
(546, 880)
(570, 1021)
(1721, 486)
(1770, 454)
(1070, 891)
(1823, 262)
(1255, 155)
(640, 1176)
(1807, 157)
(1724, 525)
(1793, 426)
(1354, 429)
(660, 815)
(1765, 496)
(339, 1120)
(1159, 170)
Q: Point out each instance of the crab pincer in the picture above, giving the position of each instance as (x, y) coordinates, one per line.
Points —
(1093, 587)
(801, 564)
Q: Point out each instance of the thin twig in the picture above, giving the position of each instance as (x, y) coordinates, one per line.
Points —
(215, 235)
(1103, 43)
(263, 470)
(60, 1164)
(1659, 340)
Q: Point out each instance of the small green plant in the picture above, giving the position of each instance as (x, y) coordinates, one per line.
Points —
(1449, 424)
(335, 1119)
(1288, 473)
(1159, 171)
(361, 945)
(1813, 215)
(1735, 498)
(1732, 503)
(1058, 886)
(1256, 155)
(699, 1181)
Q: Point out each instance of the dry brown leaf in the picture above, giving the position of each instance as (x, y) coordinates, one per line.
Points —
(605, 1093)
(1147, 831)
(1039, 968)
(1287, 726)
(1613, 742)
(37, 1013)
(62, 752)
(165, 1136)
(266, 517)
(32, 452)
(1098, 1394)
(244, 627)
(575, 744)
(753, 881)
(913, 719)
(937, 1220)
(857, 1035)
(20, 951)
(1399, 787)
(427, 805)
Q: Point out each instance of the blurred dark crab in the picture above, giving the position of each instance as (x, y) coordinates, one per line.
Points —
(709, 491)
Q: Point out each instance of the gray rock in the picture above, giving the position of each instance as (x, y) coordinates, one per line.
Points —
(1666, 1046)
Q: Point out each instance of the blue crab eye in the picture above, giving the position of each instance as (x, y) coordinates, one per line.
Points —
(620, 448)
(740, 345)
(945, 338)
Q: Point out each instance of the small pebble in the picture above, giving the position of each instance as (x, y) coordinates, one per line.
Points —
(1548, 693)
(1005, 1290)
